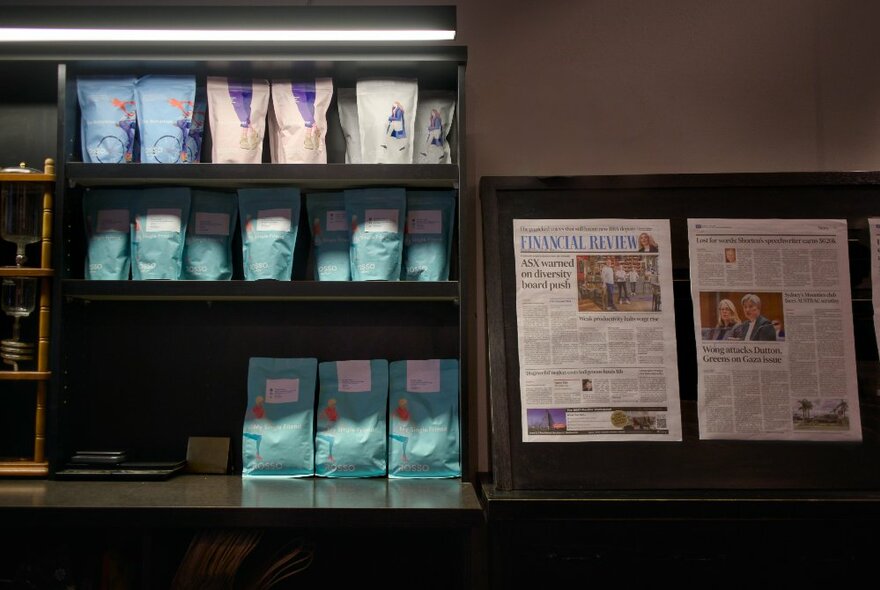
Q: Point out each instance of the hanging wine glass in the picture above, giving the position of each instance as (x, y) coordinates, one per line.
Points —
(21, 209)
(18, 298)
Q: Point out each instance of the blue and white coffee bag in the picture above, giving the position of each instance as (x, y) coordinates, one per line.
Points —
(423, 432)
(278, 437)
(330, 236)
(197, 129)
(427, 243)
(165, 110)
(107, 222)
(269, 225)
(350, 439)
(108, 119)
(160, 217)
(433, 122)
(207, 252)
(376, 218)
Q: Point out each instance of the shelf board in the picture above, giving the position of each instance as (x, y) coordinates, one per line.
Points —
(33, 177)
(199, 500)
(25, 375)
(13, 271)
(304, 176)
(260, 290)
(24, 468)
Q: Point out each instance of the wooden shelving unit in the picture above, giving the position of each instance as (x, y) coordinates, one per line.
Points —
(37, 464)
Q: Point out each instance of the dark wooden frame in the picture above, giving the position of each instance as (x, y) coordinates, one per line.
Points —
(692, 464)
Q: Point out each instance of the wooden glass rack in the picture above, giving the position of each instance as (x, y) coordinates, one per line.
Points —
(37, 464)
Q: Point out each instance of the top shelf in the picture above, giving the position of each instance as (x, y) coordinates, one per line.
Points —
(305, 176)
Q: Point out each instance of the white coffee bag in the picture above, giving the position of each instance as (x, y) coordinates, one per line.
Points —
(386, 119)
(237, 115)
(300, 110)
(433, 122)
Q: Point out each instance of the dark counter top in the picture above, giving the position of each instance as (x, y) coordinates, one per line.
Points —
(216, 500)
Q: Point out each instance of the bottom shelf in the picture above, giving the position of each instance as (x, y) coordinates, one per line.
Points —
(23, 468)
(221, 500)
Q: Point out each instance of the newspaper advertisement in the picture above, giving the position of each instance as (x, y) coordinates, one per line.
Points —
(874, 230)
(774, 329)
(596, 330)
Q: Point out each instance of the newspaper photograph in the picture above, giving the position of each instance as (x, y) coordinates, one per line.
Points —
(596, 330)
(774, 329)
(874, 231)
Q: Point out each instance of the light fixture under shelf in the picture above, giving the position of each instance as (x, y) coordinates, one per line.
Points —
(181, 25)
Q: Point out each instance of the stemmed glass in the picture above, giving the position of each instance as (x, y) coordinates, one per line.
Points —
(21, 214)
(19, 297)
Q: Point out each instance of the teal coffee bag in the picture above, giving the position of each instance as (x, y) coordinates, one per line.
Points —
(160, 217)
(351, 430)
(427, 243)
(207, 252)
(269, 224)
(107, 223)
(278, 434)
(330, 236)
(376, 218)
(423, 432)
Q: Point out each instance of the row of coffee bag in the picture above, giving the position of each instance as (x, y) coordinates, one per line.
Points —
(182, 233)
(161, 119)
(152, 119)
(393, 122)
(370, 418)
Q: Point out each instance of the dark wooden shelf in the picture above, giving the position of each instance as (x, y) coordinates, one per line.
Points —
(24, 375)
(304, 176)
(14, 271)
(524, 505)
(218, 500)
(261, 290)
(23, 468)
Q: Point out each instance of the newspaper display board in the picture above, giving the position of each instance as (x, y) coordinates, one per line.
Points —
(774, 329)
(596, 330)
(874, 233)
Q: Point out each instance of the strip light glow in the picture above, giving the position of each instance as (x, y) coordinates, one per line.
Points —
(35, 35)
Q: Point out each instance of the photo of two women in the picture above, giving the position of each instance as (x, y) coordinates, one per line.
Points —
(739, 315)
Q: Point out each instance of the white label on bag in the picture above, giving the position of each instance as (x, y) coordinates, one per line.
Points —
(423, 376)
(353, 376)
(425, 222)
(381, 220)
(273, 220)
(212, 224)
(112, 220)
(282, 391)
(163, 220)
(336, 221)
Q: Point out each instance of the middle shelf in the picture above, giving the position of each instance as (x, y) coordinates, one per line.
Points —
(305, 176)
(261, 290)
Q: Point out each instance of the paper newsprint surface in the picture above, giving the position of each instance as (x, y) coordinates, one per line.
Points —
(596, 330)
(874, 230)
(774, 330)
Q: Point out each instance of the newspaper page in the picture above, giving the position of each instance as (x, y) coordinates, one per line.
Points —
(774, 329)
(596, 330)
(874, 229)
